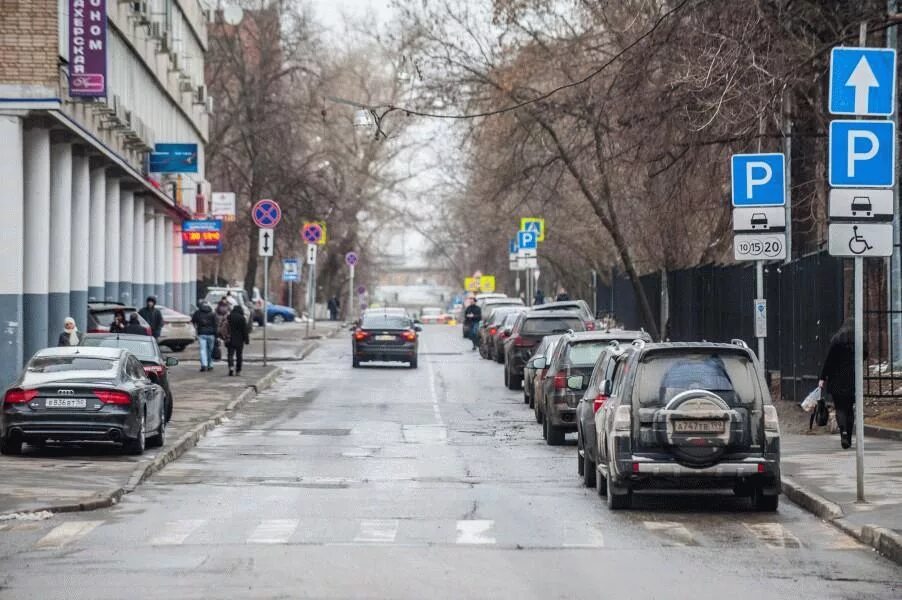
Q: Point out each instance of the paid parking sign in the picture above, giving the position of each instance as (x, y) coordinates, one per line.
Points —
(862, 154)
(758, 179)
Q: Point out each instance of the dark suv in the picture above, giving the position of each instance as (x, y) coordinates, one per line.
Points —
(687, 415)
(528, 330)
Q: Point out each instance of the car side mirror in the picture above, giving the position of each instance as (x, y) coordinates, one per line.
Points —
(172, 361)
(575, 382)
(538, 362)
(606, 387)
(417, 327)
(506, 331)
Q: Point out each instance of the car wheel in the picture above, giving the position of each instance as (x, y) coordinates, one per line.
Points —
(580, 461)
(764, 503)
(525, 396)
(278, 319)
(159, 439)
(139, 444)
(11, 447)
(355, 362)
(413, 363)
(589, 472)
(535, 409)
(168, 409)
(617, 500)
(554, 435)
(601, 484)
(545, 430)
(507, 378)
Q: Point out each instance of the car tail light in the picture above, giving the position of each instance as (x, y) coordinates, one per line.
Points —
(560, 381)
(493, 330)
(113, 397)
(522, 343)
(590, 325)
(623, 419)
(99, 330)
(598, 402)
(409, 336)
(771, 420)
(360, 335)
(156, 369)
(18, 396)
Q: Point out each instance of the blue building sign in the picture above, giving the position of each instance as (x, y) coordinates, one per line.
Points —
(174, 158)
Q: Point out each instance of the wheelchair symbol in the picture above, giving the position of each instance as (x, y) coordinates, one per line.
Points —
(858, 245)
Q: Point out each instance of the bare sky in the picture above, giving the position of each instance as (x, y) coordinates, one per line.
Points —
(330, 12)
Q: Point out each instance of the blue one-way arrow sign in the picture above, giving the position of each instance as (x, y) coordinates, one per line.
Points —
(862, 81)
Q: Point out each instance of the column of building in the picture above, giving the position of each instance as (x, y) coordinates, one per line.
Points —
(12, 244)
(80, 237)
(126, 247)
(60, 241)
(150, 238)
(36, 262)
(138, 277)
(97, 239)
(168, 296)
(159, 259)
(111, 257)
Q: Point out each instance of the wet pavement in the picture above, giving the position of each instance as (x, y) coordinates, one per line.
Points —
(401, 483)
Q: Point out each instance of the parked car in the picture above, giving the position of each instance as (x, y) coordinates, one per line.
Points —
(432, 315)
(101, 314)
(81, 394)
(595, 395)
(215, 294)
(178, 331)
(580, 307)
(496, 343)
(491, 325)
(489, 305)
(385, 337)
(528, 330)
(530, 371)
(276, 313)
(257, 303)
(687, 415)
(146, 349)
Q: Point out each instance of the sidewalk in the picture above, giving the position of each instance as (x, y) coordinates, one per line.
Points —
(820, 476)
(62, 478)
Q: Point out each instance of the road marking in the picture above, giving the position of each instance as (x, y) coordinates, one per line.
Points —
(674, 533)
(273, 531)
(66, 533)
(596, 539)
(176, 532)
(436, 411)
(773, 535)
(377, 531)
(475, 532)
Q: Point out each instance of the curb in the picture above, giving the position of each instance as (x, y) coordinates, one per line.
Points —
(886, 433)
(886, 542)
(145, 469)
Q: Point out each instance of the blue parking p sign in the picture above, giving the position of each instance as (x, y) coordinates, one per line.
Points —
(527, 240)
(758, 179)
(862, 154)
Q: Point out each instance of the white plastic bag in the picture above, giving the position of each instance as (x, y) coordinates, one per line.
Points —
(810, 401)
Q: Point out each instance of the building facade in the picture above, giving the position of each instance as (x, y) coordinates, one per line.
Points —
(88, 88)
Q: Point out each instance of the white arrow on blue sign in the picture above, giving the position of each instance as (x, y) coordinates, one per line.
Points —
(862, 154)
(527, 240)
(758, 179)
(512, 247)
(862, 81)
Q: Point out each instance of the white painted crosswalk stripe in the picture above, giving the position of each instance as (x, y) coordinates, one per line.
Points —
(377, 531)
(176, 532)
(673, 533)
(66, 533)
(273, 531)
(773, 535)
(475, 532)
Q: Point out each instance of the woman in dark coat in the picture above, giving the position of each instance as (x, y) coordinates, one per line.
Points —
(118, 325)
(238, 339)
(838, 379)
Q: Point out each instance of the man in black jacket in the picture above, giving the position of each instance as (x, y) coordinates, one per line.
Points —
(236, 338)
(153, 316)
(204, 321)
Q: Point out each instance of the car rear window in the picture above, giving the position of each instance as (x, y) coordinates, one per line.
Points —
(385, 322)
(548, 325)
(731, 376)
(105, 317)
(585, 353)
(59, 364)
(143, 349)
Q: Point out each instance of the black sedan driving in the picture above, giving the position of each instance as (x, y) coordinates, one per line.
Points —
(83, 394)
(146, 349)
(385, 337)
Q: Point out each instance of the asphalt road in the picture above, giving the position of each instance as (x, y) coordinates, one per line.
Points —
(395, 483)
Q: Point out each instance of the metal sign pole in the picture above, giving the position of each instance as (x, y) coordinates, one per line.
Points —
(265, 300)
(307, 300)
(290, 303)
(351, 296)
(313, 294)
(759, 290)
(859, 378)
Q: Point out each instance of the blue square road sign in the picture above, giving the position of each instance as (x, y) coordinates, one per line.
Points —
(758, 179)
(862, 81)
(862, 154)
(527, 240)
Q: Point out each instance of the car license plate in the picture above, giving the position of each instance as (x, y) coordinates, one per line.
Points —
(698, 426)
(385, 338)
(65, 403)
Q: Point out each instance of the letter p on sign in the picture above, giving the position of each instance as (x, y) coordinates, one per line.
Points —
(758, 179)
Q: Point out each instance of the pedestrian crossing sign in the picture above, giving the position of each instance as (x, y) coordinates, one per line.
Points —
(471, 284)
(487, 283)
(535, 225)
(323, 238)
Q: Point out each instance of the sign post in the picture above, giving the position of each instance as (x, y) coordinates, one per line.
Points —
(759, 222)
(351, 260)
(527, 249)
(290, 274)
(266, 215)
(862, 157)
(311, 287)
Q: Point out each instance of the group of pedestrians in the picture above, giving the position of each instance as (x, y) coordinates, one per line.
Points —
(132, 325)
(226, 323)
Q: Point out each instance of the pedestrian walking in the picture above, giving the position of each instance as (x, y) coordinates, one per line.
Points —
(223, 309)
(205, 322)
(134, 326)
(838, 379)
(539, 297)
(153, 316)
(562, 295)
(472, 316)
(237, 339)
(69, 336)
(332, 306)
(118, 324)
